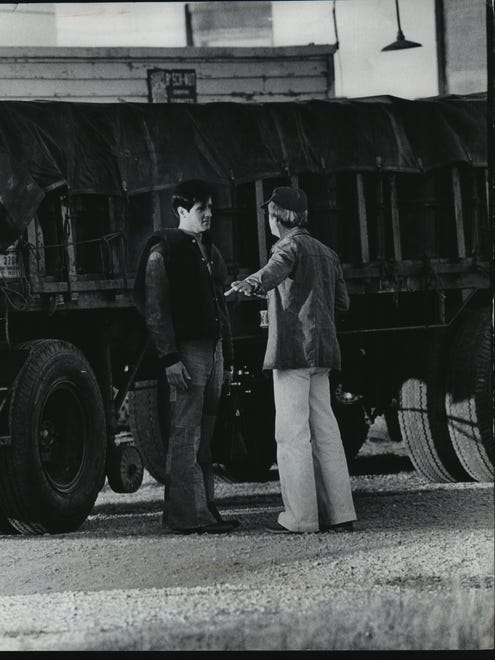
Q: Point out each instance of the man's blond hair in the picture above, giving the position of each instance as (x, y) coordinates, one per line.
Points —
(288, 217)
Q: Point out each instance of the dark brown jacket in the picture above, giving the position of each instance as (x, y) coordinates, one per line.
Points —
(183, 298)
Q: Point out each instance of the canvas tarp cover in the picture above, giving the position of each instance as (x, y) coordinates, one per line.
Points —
(118, 149)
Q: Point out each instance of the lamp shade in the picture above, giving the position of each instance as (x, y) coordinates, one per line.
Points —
(401, 43)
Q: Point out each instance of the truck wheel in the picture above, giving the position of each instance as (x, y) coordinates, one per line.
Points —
(468, 395)
(51, 474)
(423, 421)
(353, 427)
(484, 391)
(149, 425)
(124, 469)
(244, 438)
(393, 427)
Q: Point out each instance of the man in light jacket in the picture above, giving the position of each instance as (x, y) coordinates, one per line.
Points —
(305, 286)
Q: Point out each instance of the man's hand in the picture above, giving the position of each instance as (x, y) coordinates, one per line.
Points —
(228, 376)
(243, 287)
(178, 376)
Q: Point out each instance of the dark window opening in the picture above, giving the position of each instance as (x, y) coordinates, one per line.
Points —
(323, 212)
(50, 221)
(89, 223)
(139, 226)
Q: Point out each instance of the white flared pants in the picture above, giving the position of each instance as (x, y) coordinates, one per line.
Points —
(314, 478)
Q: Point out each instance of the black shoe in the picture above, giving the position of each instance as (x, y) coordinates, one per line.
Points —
(216, 513)
(277, 528)
(219, 527)
(340, 528)
(188, 530)
(235, 522)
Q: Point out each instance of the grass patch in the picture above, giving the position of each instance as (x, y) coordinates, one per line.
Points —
(406, 620)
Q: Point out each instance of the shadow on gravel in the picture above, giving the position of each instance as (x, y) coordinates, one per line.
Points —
(392, 511)
(127, 508)
(221, 473)
(447, 509)
(361, 465)
(380, 464)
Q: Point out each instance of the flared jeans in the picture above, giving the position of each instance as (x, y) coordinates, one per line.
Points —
(189, 488)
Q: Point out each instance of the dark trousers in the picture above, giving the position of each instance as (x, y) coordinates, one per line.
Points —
(189, 488)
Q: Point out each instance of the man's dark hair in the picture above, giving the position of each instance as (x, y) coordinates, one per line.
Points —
(189, 192)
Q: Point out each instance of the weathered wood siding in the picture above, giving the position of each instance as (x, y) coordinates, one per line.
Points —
(108, 75)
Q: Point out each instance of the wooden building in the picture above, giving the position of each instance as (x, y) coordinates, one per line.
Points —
(190, 74)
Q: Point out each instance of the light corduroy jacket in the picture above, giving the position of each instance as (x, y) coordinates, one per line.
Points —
(305, 287)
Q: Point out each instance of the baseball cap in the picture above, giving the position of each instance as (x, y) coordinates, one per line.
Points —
(293, 199)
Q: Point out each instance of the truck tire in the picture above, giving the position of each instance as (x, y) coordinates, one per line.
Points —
(353, 427)
(468, 395)
(244, 438)
(246, 422)
(124, 469)
(149, 425)
(423, 420)
(51, 474)
(484, 391)
(393, 427)
(244, 446)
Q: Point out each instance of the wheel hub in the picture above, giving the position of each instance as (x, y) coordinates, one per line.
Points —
(62, 437)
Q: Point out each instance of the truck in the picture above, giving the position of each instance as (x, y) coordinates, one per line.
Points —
(399, 188)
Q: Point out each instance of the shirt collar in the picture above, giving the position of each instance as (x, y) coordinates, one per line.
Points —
(203, 237)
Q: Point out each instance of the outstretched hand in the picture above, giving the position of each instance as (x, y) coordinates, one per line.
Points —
(244, 287)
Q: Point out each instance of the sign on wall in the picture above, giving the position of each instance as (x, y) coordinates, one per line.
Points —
(9, 263)
(172, 85)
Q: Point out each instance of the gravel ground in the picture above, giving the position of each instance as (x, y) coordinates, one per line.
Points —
(416, 574)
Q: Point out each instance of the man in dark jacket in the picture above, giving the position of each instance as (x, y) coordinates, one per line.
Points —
(188, 323)
(305, 287)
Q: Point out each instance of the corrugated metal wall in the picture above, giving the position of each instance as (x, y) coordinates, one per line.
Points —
(121, 74)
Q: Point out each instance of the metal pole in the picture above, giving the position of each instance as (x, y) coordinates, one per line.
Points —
(398, 16)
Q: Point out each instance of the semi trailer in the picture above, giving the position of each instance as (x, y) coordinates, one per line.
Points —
(399, 188)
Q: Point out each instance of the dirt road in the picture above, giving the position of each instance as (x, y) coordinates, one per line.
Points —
(416, 574)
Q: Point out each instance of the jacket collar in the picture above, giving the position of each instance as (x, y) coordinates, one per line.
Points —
(290, 234)
(205, 238)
